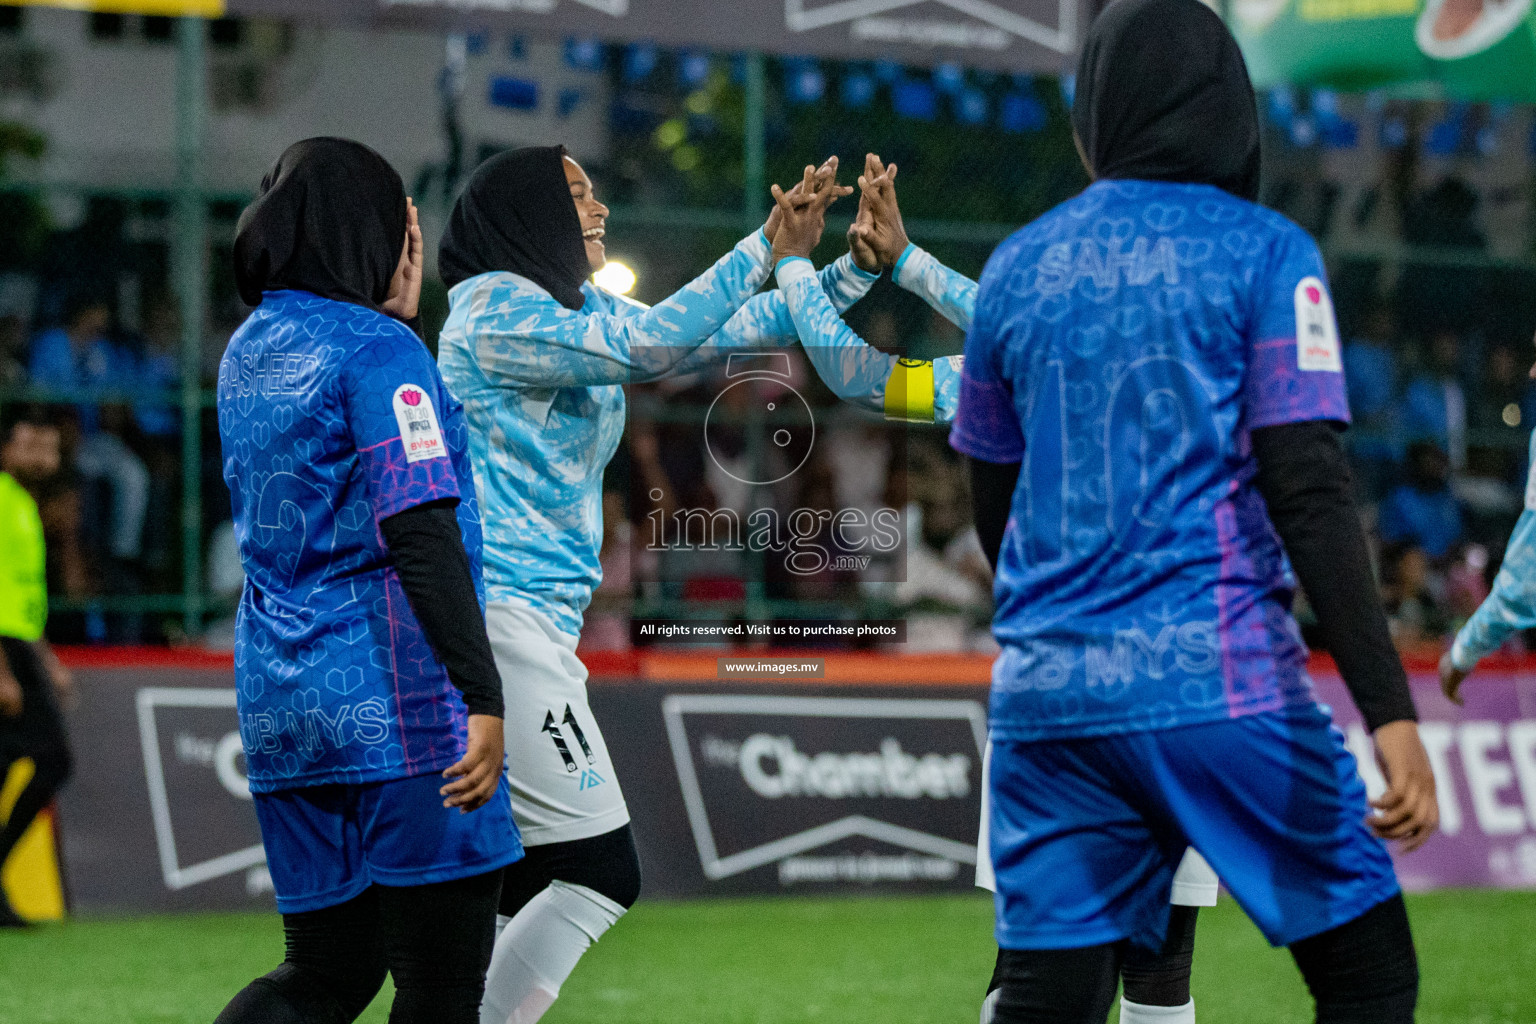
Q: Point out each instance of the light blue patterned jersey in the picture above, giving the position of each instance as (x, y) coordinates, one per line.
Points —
(862, 375)
(1511, 605)
(543, 393)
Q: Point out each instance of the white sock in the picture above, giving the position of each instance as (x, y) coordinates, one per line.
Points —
(1135, 1013)
(539, 948)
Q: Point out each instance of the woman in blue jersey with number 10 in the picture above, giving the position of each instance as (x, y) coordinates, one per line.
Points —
(1155, 981)
(1151, 399)
(369, 707)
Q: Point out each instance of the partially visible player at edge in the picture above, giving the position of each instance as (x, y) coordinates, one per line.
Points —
(539, 356)
(1156, 982)
(370, 712)
(1151, 397)
(1509, 607)
(32, 680)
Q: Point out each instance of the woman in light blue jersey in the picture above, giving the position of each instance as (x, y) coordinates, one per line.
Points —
(539, 356)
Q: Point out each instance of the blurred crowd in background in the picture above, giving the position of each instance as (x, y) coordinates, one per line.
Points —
(1442, 414)
(1437, 330)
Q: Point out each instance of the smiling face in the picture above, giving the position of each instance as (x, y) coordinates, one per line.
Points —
(593, 214)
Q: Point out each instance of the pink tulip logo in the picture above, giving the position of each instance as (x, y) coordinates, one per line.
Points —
(413, 398)
(1313, 292)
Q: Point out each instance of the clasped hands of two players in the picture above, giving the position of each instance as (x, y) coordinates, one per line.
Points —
(876, 238)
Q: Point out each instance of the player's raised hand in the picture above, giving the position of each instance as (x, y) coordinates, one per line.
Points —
(803, 218)
(477, 773)
(405, 287)
(1408, 809)
(886, 234)
(863, 253)
(811, 181)
(1451, 679)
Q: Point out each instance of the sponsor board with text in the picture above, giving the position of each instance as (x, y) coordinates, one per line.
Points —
(733, 788)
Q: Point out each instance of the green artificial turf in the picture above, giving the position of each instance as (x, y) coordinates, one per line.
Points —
(790, 961)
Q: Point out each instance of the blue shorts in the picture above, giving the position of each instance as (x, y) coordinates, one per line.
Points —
(1086, 833)
(326, 844)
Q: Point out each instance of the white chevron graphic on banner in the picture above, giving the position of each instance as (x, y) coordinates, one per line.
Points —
(717, 866)
(616, 8)
(800, 16)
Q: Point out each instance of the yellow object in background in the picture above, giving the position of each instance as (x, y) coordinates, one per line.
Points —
(31, 877)
(172, 8)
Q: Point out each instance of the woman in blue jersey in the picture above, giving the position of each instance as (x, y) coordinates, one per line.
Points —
(369, 707)
(539, 357)
(1156, 983)
(1150, 400)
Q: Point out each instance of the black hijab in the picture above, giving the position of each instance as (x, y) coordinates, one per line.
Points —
(330, 219)
(1163, 94)
(516, 215)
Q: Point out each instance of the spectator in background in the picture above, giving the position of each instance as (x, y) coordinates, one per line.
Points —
(80, 356)
(606, 625)
(157, 374)
(1455, 297)
(1408, 590)
(32, 681)
(1435, 406)
(1423, 511)
(13, 351)
(1370, 366)
(1501, 419)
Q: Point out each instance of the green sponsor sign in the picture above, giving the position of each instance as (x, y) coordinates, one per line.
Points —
(1468, 49)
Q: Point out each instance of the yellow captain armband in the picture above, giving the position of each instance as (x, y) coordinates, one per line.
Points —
(909, 391)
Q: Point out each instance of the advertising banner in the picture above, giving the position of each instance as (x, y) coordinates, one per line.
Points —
(734, 788)
(1469, 49)
(1010, 35)
(157, 816)
(1484, 756)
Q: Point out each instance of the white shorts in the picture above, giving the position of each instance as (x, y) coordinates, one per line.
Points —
(1194, 885)
(562, 780)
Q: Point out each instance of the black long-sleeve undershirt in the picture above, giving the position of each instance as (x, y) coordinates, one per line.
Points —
(1305, 481)
(992, 485)
(428, 552)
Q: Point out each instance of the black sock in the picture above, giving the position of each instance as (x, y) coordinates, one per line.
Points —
(1162, 978)
(333, 968)
(438, 940)
(1055, 986)
(1364, 971)
(288, 995)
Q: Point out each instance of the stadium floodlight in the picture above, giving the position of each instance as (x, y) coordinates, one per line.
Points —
(615, 277)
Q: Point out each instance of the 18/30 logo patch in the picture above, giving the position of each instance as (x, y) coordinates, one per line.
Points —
(1317, 333)
(419, 430)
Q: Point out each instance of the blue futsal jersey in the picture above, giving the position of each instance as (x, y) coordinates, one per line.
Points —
(1124, 346)
(333, 418)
